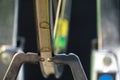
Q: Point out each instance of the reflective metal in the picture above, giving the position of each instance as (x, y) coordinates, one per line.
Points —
(74, 62)
(17, 61)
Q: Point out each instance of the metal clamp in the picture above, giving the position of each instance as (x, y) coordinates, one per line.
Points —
(19, 58)
(17, 61)
(73, 61)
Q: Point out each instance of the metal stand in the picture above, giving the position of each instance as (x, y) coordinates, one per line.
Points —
(72, 60)
(17, 61)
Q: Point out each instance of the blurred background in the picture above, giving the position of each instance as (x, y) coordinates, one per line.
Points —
(82, 32)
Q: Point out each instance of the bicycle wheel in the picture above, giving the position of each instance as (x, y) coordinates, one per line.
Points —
(51, 13)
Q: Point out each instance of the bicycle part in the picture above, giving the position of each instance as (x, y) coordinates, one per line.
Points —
(44, 22)
(17, 61)
(58, 68)
(73, 61)
(44, 36)
(60, 33)
(55, 3)
(61, 26)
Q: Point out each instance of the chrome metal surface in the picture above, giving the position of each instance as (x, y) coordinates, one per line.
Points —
(17, 61)
(73, 61)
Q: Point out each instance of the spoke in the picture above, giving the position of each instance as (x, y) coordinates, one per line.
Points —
(62, 26)
(57, 16)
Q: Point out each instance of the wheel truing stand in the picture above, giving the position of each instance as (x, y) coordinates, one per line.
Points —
(71, 59)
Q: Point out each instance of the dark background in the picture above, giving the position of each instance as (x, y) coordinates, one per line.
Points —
(82, 32)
